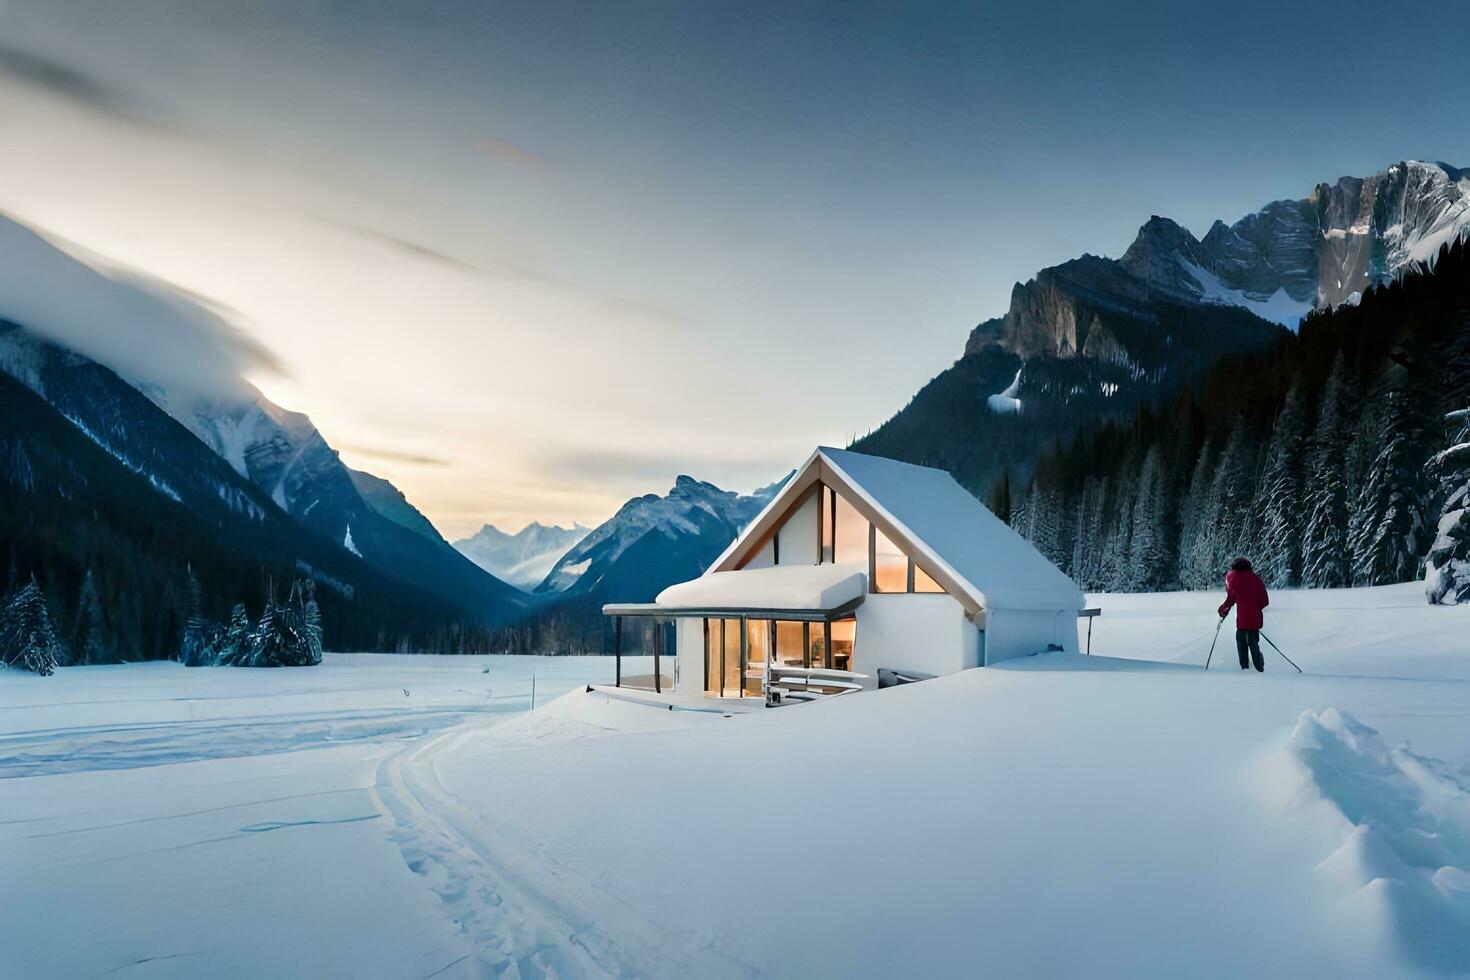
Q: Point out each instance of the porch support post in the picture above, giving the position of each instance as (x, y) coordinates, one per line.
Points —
(618, 649)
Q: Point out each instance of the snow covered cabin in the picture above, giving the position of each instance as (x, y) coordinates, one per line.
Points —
(861, 563)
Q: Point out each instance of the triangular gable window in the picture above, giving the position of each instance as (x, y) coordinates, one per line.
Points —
(824, 527)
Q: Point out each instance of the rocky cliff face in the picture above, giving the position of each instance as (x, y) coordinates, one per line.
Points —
(1093, 338)
(1278, 263)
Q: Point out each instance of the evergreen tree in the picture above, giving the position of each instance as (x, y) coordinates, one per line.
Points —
(1386, 529)
(1447, 568)
(1043, 507)
(195, 648)
(1148, 558)
(89, 636)
(28, 638)
(234, 643)
(1324, 538)
(312, 623)
(1198, 533)
(1278, 544)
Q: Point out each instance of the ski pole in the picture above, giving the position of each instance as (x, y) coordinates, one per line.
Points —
(1278, 650)
(1216, 640)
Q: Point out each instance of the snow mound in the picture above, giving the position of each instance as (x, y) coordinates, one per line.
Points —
(1007, 402)
(1403, 837)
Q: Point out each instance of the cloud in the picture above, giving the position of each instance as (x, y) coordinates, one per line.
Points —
(507, 271)
(73, 84)
(141, 327)
(395, 456)
(500, 150)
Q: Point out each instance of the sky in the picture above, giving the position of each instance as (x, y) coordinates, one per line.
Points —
(529, 260)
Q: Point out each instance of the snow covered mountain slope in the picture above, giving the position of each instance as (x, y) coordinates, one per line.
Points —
(390, 501)
(285, 455)
(187, 360)
(102, 493)
(653, 541)
(525, 558)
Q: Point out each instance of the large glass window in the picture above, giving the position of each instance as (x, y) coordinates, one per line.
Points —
(817, 646)
(844, 634)
(923, 582)
(790, 643)
(851, 543)
(828, 510)
(890, 565)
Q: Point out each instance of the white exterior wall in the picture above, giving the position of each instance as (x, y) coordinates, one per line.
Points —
(924, 632)
(690, 653)
(798, 536)
(1022, 632)
(764, 558)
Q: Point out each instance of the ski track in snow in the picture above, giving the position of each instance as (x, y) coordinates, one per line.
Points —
(517, 928)
(1403, 862)
(134, 746)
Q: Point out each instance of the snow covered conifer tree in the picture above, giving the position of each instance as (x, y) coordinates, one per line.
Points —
(192, 648)
(235, 641)
(1197, 529)
(28, 637)
(1277, 548)
(1148, 557)
(1386, 527)
(1447, 568)
(1324, 538)
(312, 623)
(1232, 498)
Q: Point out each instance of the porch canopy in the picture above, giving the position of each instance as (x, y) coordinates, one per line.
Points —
(801, 592)
(807, 593)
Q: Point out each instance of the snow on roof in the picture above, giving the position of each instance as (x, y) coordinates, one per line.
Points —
(818, 588)
(947, 523)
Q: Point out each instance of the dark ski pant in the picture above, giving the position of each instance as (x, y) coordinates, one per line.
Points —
(1249, 639)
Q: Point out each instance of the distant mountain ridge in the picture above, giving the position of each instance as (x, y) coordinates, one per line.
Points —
(689, 526)
(651, 543)
(522, 559)
(1094, 338)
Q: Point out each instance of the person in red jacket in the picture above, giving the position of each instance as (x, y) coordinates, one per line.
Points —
(1247, 593)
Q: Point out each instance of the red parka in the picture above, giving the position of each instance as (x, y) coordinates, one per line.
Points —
(1247, 593)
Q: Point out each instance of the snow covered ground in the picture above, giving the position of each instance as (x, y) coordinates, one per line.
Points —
(163, 821)
(1121, 815)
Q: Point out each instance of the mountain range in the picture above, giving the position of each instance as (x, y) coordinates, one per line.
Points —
(522, 559)
(649, 544)
(1096, 338)
(265, 464)
(118, 509)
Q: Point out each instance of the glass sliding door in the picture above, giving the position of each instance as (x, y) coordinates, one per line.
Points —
(757, 652)
(714, 652)
(730, 687)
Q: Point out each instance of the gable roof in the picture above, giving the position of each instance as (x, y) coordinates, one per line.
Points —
(936, 521)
